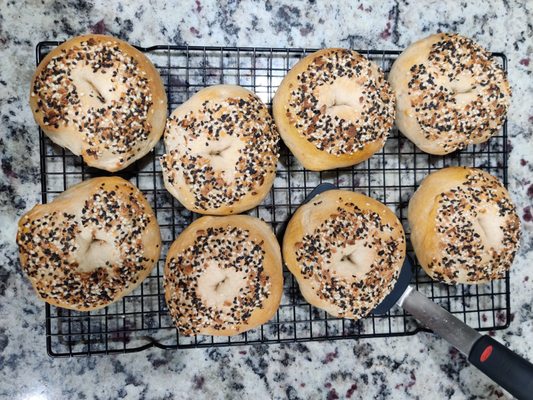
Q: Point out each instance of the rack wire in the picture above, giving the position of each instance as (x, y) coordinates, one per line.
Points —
(141, 320)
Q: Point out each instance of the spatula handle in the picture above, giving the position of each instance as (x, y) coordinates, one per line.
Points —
(506, 368)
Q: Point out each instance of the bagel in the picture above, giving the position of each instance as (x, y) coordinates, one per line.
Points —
(223, 276)
(464, 226)
(92, 245)
(221, 151)
(346, 251)
(100, 98)
(334, 109)
(449, 93)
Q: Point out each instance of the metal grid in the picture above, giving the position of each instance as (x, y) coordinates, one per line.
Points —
(140, 320)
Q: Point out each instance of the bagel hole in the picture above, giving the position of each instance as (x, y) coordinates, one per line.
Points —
(97, 253)
(361, 260)
(95, 243)
(99, 95)
(337, 103)
(347, 258)
(221, 282)
(461, 84)
(341, 98)
(491, 229)
(355, 260)
(218, 285)
(218, 152)
(463, 90)
(98, 248)
(341, 101)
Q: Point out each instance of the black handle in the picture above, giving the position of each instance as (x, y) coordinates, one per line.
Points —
(508, 369)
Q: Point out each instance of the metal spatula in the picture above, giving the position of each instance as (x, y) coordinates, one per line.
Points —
(503, 366)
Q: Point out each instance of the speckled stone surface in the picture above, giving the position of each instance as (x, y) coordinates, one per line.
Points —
(420, 366)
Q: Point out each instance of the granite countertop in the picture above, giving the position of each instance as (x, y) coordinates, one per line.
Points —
(419, 366)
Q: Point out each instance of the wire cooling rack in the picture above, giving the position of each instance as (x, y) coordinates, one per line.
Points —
(140, 320)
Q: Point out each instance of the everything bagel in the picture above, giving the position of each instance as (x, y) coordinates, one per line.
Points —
(464, 226)
(221, 151)
(345, 250)
(334, 109)
(90, 246)
(223, 276)
(100, 98)
(449, 93)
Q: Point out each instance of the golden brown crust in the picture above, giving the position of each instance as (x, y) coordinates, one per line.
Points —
(92, 245)
(222, 150)
(334, 109)
(110, 109)
(464, 226)
(345, 250)
(212, 260)
(449, 93)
